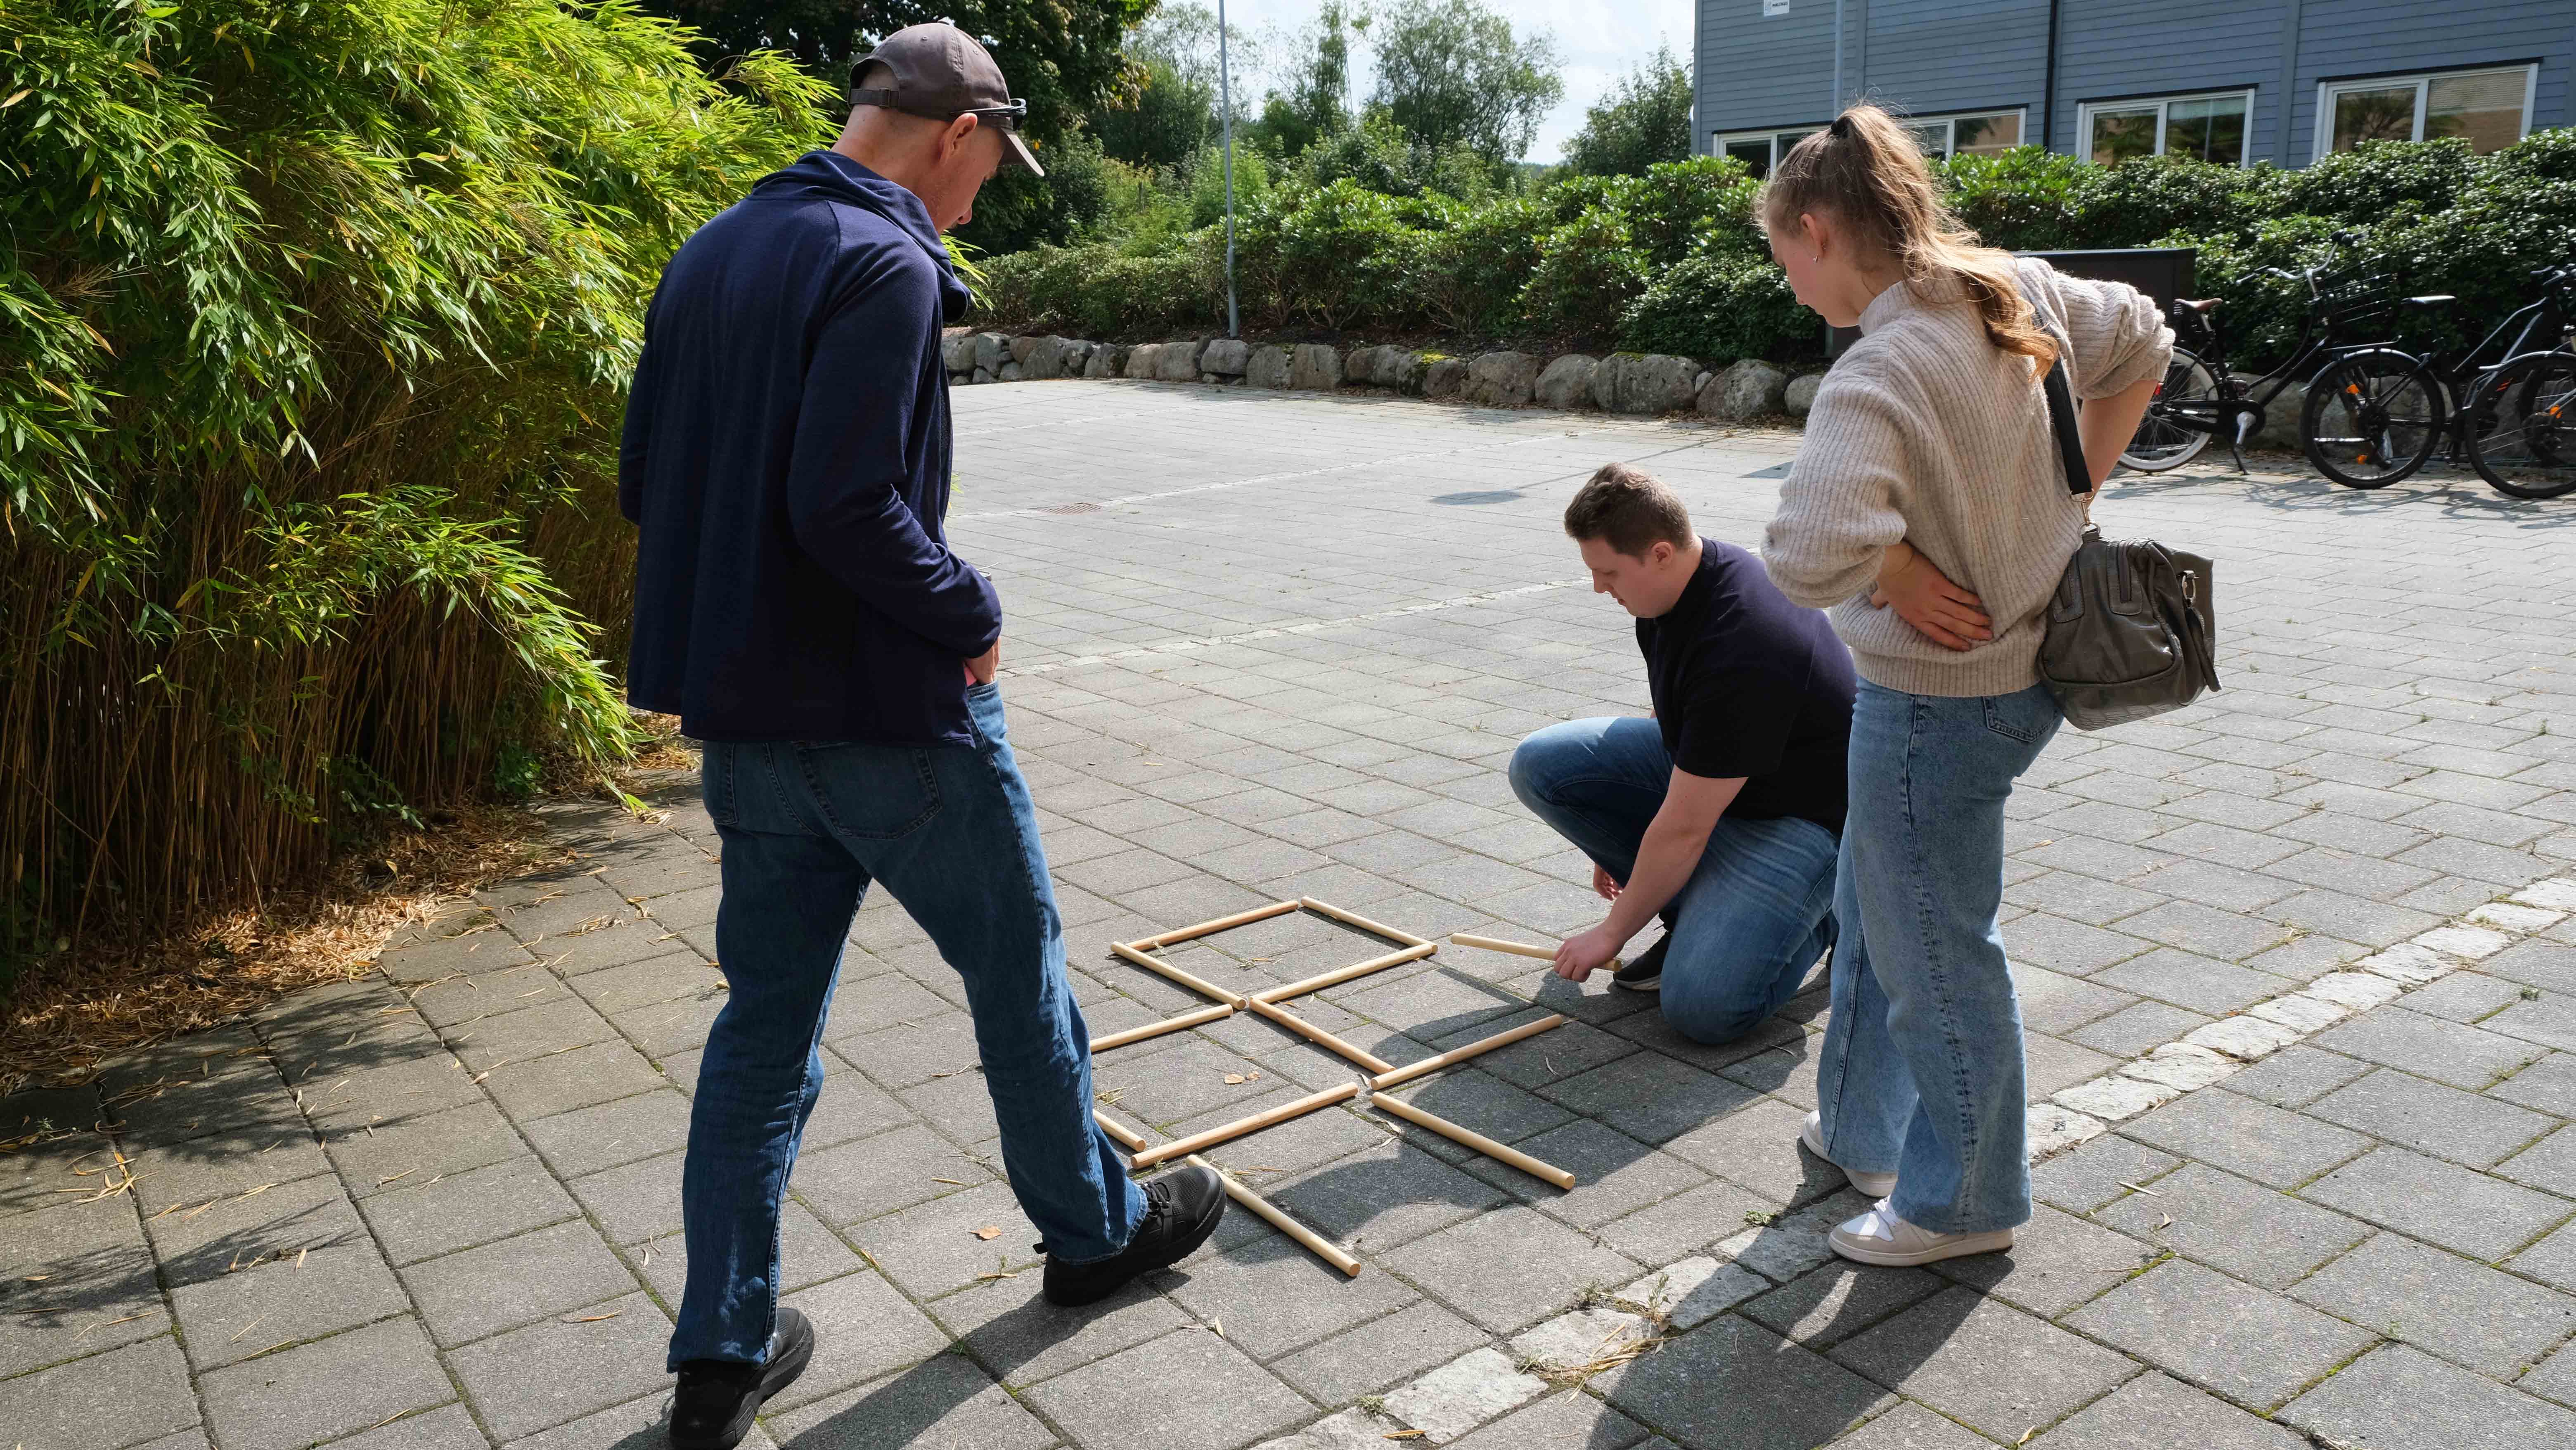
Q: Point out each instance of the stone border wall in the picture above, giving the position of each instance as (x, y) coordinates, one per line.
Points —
(1637, 384)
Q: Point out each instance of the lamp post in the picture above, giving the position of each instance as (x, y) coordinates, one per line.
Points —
(1225, 117)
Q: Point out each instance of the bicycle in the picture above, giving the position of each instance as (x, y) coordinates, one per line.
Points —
(2526, 446)
(2376, 414)
(2200, 398)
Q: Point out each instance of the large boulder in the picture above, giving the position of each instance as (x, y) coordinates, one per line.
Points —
(1142, 360)
(1751, 388)
(1023, 347)
(1046, 358)
(1226, 357)
(1567, 382)
(1010, 373)
(1315, 367)
(1268, 367)
(957, 352)
(1107, 360)
(1178, 362)
(1800, 395)
(991, 351)
(1401, 368)
(1502, 379)
(1362, 365)
(1643, 383)
(1444, 377)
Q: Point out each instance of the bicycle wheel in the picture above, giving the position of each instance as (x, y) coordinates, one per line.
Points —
(2371, 418)
(2523, 435)
(2163, 443)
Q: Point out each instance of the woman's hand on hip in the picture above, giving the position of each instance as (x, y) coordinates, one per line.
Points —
(1924, 597)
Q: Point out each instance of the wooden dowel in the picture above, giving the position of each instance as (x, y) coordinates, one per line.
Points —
(1353, 918)
(1500, 1153)
(1479, 1048)
(1315, 1243)
(1222, 923)
(1494, 944)
(1148, 1157)
(1127, 1137)
(1320, 1037)
(1195, 984)
(1204, 1015)
(1327, 979)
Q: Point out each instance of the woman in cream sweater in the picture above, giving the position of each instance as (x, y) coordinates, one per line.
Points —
(1928, 510)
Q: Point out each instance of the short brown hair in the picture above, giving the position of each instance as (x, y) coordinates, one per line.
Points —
(1629, 509)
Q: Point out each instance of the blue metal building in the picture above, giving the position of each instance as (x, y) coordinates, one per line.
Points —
(2240, 81)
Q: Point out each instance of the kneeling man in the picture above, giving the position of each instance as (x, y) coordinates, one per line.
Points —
(1723, 813)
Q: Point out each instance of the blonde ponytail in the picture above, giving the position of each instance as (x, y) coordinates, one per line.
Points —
(1867, 171)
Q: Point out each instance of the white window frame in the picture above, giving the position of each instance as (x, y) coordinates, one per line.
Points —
(1719, 141)
(1949, 121)
(2164, 117)
(2321, 143)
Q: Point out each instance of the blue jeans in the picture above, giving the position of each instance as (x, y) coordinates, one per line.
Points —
(951, 832)
(1921, 1072)
(1753, 917)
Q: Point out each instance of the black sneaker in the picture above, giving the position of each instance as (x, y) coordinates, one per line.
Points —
(1181, 1210)
(717, 1398)
(1646, 973)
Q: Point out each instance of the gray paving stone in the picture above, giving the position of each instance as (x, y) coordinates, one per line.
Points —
(1567, 1421)
(2549, 1164)
(2464, 1057)
(1009, 1327)
(1984, 1363)
(863, 1328)
(562, 1368)
(2549, 1085)
(1781, 1397)
(323, 1390)
(878, 1175)
(2430, 1118)
(1184, 1391)
(1614, 1175)
(1379, 1353)
(476, 1292)
(2195, 983)
(2246, 1343)
(2138, 1029)
(2255, 1139)
(938, 1246)
(944, 1401)
(1689, 1221)
(2480, 1216)
(2443, 1304)
(103, 1401)
(443, 1215)
(374, 1158)
(561, 1082)
(1757, 1146)
(2056, 1263)
(2245, 1229)
(2463, 996)
(1909, 1426)
(2156, 1412)
(260, 1306)
(2549, 1019)
(1273, 1296)
(2399, 1398)
(206, 1240)
(1382, 1196)
(74, 1281)
(1555, 1265)
(611, 1134)
(1831, 1304)
(2098, 1172)
(448, 1427)
(2296, 1076)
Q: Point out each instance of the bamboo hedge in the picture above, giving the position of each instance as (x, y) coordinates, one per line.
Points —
(315, 321)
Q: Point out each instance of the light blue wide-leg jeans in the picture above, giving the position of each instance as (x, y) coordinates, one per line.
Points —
(1921, 1072)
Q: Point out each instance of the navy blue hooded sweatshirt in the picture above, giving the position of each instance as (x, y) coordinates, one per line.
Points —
(786, 454)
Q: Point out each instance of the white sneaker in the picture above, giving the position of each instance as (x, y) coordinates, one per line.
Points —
(1880, 1237)
(1875, 1185)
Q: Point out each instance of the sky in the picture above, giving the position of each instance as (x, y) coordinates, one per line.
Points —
(1602, 41)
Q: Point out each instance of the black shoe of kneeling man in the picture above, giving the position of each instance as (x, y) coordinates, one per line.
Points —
(1646, 973)
(717, 1398)
(1181, 1210)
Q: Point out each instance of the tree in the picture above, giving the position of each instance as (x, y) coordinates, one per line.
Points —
(1450, 72)
(1173, 110)
(1314, 100)
(1646, 120)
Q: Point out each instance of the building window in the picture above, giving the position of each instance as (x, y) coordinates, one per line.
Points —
(2205, 127)
(2490, 108)
(1760, 150)
(1985, 133)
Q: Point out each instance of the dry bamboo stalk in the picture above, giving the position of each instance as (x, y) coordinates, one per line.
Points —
(1494, 944)
(1455, 1055)
(1203, 1015)
(1378, 928)
(1301, 1107)
(1499, 1152)
(1127, 1137)
(1222, 923)
(1320, 981)
(1156, 964)
(1315, 1243)
(1320, 1037)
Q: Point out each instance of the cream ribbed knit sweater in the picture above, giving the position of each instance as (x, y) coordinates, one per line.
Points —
(1924, 431)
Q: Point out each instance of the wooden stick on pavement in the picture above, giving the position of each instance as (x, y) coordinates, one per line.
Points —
(1315, 1243)
(1500, 1153)
(1495, 944)
(1148, 1157)
(1127, 1137)
(1320, 1037)
(1455, 1055)
(1204, 1015)
(1340, 975)
(1196, 984)
(1378, 928)
(1222, 923)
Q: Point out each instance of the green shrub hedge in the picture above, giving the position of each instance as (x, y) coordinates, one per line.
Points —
(1672, 261)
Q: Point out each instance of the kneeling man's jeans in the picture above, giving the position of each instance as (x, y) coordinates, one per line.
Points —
(951, 832)
(1749, 922)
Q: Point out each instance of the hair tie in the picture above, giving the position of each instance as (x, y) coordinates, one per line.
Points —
(1841, 128)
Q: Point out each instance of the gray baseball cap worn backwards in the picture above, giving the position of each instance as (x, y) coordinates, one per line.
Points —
(939, 71)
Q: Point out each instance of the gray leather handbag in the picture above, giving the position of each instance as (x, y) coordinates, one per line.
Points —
(2132, 627)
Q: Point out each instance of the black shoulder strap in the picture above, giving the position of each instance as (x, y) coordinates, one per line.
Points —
(2070, 443)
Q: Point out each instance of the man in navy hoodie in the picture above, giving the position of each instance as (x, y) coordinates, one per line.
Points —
(786, 455)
